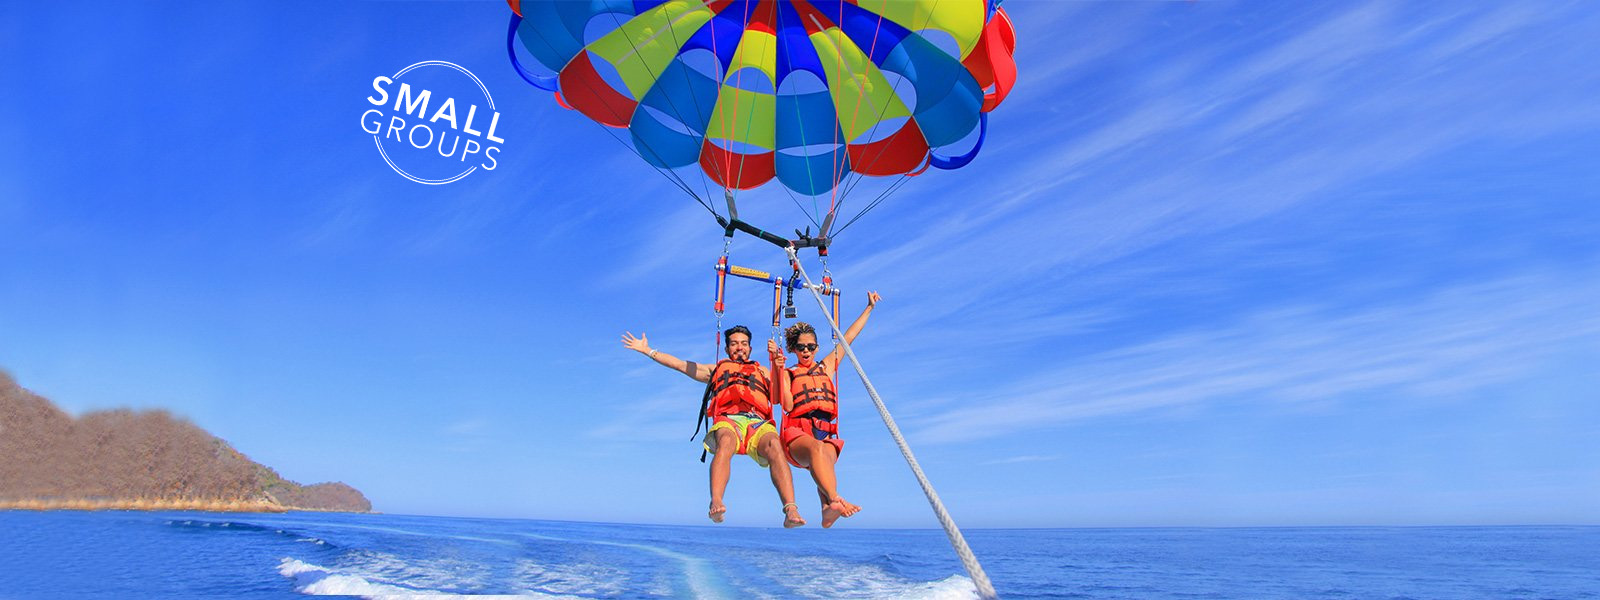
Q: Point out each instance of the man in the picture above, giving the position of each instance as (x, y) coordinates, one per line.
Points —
(739, 403)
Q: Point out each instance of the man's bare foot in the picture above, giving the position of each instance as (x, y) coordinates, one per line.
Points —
(791, 517)
(838, 508)
(716, 512)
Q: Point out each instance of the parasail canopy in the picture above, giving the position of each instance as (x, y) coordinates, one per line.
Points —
(806, 93)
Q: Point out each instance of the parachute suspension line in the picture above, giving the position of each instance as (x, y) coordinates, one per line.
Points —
(715, 105)
(838, 195)
(655, 77)
(804, 143)
(838, 122)
(894, 187)
(809, 215)
(749, 118)
(850, 187)
(729, 186)
(861, 95)
(959, 543)
(673, 177)
(838, 125)
(692, 98)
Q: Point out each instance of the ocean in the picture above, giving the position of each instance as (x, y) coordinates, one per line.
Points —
(181, 554)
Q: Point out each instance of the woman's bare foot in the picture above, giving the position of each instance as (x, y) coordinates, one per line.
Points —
(831, 512)
(791, 517)
(850, 510)
(838, 508)
(716, 512)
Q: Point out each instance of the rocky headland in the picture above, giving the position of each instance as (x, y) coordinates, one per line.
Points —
(137, 460)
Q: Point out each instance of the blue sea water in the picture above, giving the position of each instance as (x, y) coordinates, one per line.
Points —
(178, 554)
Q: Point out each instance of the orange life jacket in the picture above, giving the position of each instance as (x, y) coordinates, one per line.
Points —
(816, 402)
(737, 387)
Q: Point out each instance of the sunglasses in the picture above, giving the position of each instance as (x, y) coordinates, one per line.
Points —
(806, 347)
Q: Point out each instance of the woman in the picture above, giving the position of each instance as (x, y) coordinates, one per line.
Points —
(810, 435)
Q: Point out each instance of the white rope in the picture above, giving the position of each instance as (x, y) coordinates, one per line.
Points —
(970, 562)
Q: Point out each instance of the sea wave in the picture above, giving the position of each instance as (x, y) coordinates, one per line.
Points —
(200, 525)
(322, 581)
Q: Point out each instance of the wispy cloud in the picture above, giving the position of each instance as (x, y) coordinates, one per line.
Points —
(1214, 139)
(468, 427)
(1458, 340)
(469, 435)
(639, 420)
(1212, 146)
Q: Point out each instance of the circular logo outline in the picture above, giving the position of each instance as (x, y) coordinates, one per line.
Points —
(379, 142)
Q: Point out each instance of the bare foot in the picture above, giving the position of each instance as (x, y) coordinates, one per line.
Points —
(716, 512)
(791, 517)
(838, 508)
(850, 510)
(831, 512)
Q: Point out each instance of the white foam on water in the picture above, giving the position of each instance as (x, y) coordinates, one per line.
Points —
(323, 581)
(448, 573)
(320, 581)
(825, 577)
(954, 587)
(591, 579)
(698, 573)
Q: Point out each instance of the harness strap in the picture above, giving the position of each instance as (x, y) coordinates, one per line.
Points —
(701, 418)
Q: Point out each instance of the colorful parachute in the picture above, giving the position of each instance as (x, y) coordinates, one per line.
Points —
(802, 91)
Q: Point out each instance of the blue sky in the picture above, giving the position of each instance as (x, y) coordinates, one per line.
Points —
(1219, 264)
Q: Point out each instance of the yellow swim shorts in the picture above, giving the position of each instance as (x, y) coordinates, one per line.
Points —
(749, 428)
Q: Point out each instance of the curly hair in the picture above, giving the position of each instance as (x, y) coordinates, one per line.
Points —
(791, 336)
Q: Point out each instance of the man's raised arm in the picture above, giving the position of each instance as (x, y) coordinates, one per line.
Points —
(695, 371)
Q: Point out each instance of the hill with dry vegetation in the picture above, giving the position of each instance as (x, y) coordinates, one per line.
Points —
(150, 460)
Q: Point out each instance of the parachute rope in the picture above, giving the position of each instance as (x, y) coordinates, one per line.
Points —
(802, 207)
(804, 143)
(750, 117)
(692, 99)
(894, 187)
(838, 124)
(959, 543)
(728, 185)
(841, 187)
(654, 77)
(851, 186)
(861, 92)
